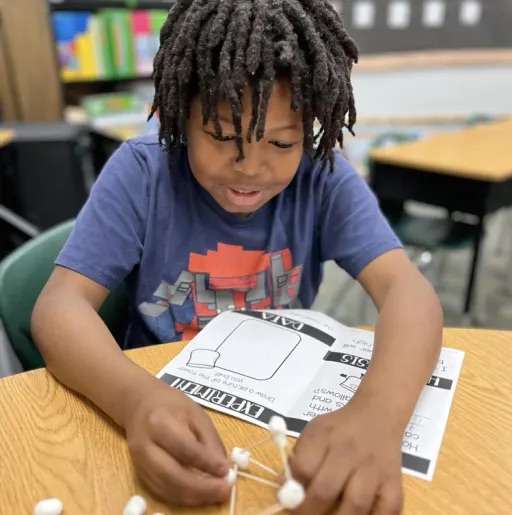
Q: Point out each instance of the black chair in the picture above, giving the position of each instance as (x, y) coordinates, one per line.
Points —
(51, 172)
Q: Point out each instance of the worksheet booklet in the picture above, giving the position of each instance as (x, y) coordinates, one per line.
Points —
(298, 364)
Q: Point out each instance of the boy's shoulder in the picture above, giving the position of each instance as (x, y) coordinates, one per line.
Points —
(148, 153)
(147, 142)
(313, 173)
(147, 147)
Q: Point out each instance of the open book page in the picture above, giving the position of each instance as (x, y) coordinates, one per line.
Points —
(424, 434)
(299, 364)
(251, 364)
(341, 374)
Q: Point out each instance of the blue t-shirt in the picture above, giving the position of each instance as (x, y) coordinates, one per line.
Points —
(184, 259)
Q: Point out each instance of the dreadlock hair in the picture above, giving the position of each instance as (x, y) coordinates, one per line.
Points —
(214, 48)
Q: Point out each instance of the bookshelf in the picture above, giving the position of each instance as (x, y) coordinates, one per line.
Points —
(105, 50)
(106, 41)
(391, 34)
(86, 5)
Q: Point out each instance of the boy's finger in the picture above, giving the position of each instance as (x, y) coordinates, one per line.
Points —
(185, 448)
(390, 499)
(210, 438)
(324, 491)
(360, 493)
(179, 485)
(307, 457)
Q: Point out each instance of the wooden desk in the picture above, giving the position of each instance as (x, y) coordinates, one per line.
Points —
(5, 138)
(468, 171)
(480, 153)
(53, 443)
(121, 133)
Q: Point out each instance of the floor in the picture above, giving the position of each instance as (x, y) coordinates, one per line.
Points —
(343, 299)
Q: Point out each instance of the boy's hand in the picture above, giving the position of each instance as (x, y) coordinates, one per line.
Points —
(350, 462)
(176, 450)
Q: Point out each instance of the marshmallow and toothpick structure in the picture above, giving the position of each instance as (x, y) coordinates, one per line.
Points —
(290, 494)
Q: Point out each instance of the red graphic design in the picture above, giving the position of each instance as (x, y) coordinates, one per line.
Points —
(225, 279)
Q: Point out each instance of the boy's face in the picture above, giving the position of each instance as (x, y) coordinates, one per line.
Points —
(269, 165)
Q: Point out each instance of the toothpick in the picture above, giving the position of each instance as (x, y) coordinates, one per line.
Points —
(259, 479)
(284, 459)
(264, 467)
(276, 508)
(232, 501)
(257, 444)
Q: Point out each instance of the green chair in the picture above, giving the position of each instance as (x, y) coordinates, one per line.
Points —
(23, 274)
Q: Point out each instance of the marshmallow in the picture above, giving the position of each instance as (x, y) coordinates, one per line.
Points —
(48, 507)
(136, 506)
(291, 495)
(241, 457)
(277, 426)
(231, 477)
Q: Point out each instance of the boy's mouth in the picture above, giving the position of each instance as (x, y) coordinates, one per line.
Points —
(243, 197)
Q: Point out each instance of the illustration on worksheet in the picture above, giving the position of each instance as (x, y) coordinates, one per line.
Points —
(351, 383)
(238, 353)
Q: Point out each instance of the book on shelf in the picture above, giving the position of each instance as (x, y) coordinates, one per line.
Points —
(108, 44)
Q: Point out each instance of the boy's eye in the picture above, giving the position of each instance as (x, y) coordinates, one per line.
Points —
(221, 138)
(280, 144)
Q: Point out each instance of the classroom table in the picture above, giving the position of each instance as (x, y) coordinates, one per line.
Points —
(120, 133)
(54, 443)
(467, 171)
(5, 138)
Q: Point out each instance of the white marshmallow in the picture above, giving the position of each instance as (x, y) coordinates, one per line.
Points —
(241, 457)
(48, 507)
(291, 495)
(277, 426)
(231, 477)
(136, 506)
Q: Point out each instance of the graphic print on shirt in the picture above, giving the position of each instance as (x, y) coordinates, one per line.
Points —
(223, 279)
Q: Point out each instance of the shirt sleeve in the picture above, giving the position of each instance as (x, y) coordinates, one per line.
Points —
(353, 230)
(107, 240)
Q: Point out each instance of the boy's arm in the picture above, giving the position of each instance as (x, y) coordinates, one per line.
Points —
(355, 234)
(79, 349)
(408, 335)
(351, 458)
(103, 248)
(174, 446)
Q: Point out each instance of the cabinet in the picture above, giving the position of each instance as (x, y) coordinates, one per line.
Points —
(30, 85)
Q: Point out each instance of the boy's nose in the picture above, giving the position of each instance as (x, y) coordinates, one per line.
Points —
(250, 166)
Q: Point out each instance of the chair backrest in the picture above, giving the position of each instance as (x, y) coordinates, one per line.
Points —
(52, 171)
(23, 274)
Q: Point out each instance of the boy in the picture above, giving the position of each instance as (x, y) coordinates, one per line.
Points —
(240, 185)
